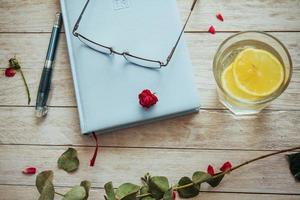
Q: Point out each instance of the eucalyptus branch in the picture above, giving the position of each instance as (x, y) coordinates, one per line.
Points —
(240, 165)
(59, 194)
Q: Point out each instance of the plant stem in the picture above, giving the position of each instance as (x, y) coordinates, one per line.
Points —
(241, 165)
(143, 195)
(59, 194)
(27, 88)
(262, 157)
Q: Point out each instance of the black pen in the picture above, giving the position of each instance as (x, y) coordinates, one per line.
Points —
(45, 82)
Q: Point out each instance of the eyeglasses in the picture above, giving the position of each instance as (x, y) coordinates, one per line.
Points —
(140, 61)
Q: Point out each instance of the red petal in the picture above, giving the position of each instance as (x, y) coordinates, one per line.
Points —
(92, 161)
(212, 30)
(226, 167)
(210, 170)
(220, 17)
(10, 72)
(29, 170)
(147, 98)
(174, 195)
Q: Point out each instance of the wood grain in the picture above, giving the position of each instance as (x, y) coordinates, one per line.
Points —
(128, 164)
(174, 147)
(270, 15)
(202, 49)
(206, 130)
(13, 192)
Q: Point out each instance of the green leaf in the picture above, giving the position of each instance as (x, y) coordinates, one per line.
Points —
(214, 182)
(158, 185)
(48, 192)
(68, 161)
(42, 178)
(187, 192)
(168, 195)
(76, 193)
(200, 177)
(294, 161)
(127, 191)
(144, 189)
(87, 186)
(110, 192)
(44, 185)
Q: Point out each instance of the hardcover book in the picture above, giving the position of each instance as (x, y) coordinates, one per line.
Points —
(107, 86)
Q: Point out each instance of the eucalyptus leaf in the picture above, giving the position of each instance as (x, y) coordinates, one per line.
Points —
(144, 189)
(214, 182)
(158, 185)
(168, 195)
(200, 177)
(127, 191)
(187, 192)
(42, 178)
(48, 192)
(76, 193)
(68, 161)
(110, 192)
(87, 186)
(294, 161)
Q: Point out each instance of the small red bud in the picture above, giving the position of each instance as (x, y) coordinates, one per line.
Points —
(212, 30)
(226, 166)
(10, 72)
(220, 17)
(210, 170)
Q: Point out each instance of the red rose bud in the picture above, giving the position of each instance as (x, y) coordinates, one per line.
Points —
(220, 17)
(226, 167)
(10, 72)
(147, 99)
(29, 170)
(210, 170)
(212, 30)
(174, 195)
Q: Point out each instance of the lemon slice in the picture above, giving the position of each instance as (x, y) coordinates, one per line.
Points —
(229, 85)
(257, 72)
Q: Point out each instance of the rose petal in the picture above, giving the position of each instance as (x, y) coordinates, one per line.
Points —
(29, 170)
(147, 98)
(93, 160)
(174, 195)
(220, 16)
(212, 30)
(226, 167)
(10, 72)
(210, 170)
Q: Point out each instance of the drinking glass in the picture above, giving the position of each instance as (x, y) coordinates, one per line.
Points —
(226, 54)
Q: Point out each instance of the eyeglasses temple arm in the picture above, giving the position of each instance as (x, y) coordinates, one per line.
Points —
(181, 33)
(79, 19)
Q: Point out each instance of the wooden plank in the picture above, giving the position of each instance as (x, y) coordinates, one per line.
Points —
(37, 15)
(9, 192)
(128, 164)
(202, 48)
(206, 130)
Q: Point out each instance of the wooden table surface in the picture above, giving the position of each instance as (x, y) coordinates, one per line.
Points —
(173, 148)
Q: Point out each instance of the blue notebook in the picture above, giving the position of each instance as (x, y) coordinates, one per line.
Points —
(107, 86)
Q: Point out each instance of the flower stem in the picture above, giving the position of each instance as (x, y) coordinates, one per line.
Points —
(143, 195)
(59, 194)
(241, 165)
(27, 88)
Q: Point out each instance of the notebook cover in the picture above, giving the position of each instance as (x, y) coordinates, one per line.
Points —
(107, 86)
